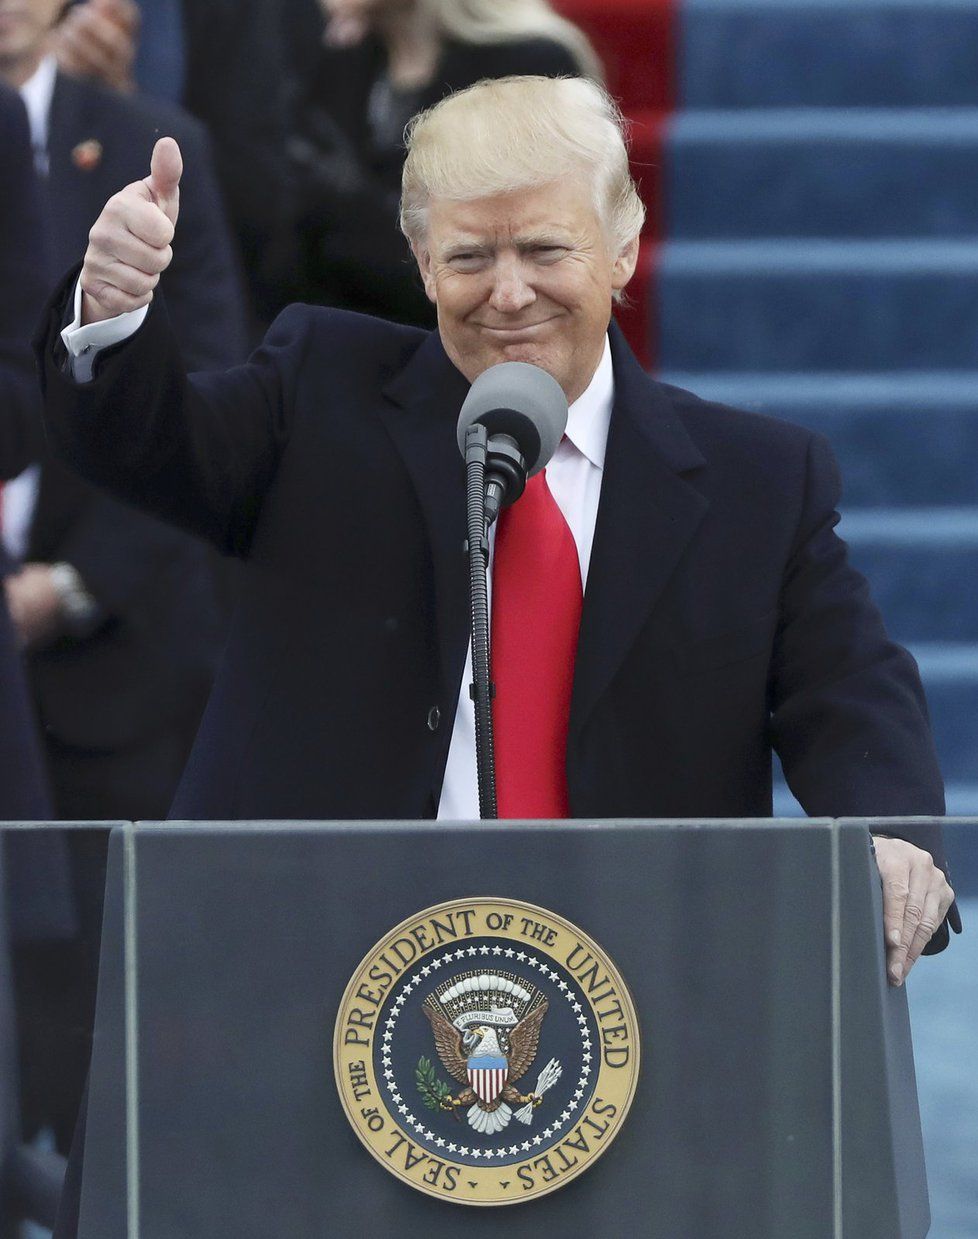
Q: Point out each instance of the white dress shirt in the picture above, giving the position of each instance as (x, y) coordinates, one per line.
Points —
(574, 477)
(85, 343)
(37, 93)
(18, 498)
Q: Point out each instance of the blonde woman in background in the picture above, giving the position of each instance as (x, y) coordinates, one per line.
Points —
(381, 62)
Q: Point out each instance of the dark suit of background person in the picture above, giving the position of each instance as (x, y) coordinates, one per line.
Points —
(23, 263)
(232, 77)
(347, 171)
(121, 696)
(34, 896)
(235, 84)
(120, 699)
(720, 614)
(23, 795)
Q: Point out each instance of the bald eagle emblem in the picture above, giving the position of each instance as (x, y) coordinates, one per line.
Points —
(487, 1031)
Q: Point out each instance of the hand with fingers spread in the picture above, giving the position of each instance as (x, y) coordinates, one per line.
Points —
(129, 246)
(916, 897)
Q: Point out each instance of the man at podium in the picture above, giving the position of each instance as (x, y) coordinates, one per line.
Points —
(670, 600)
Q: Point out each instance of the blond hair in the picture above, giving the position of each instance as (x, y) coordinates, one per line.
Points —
(512, 133)
(499, 21)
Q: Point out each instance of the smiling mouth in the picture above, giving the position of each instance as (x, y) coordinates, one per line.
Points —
(516, 329)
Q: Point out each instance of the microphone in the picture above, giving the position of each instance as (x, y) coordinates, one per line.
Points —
(523, 412)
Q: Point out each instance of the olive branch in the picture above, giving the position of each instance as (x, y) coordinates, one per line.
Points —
(433, 1091)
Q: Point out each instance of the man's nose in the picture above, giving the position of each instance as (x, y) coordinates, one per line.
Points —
(510, 289)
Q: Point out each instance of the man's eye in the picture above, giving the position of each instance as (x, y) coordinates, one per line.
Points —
(550, 251)
(467, 261)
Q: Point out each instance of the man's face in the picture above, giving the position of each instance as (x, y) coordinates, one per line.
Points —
(24, 26)
(524, 276)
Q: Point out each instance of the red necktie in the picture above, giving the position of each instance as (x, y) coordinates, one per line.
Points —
(536, 615)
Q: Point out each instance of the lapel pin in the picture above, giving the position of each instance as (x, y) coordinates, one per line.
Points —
(87, 155)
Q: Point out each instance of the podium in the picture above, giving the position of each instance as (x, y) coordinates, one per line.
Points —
(775, 1095)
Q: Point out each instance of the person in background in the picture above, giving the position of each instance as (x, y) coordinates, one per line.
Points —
(381, 62)
(23, 262)
(223, 61)
(118, 616)
(36, 905)
(117, 613)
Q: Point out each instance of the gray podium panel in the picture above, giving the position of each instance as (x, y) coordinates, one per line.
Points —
(776, 1063)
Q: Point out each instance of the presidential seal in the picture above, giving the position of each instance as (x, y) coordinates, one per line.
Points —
(486, 1051)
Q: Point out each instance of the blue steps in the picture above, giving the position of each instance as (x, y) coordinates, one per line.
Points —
(822, 172)
(837, 53)
(818, 304)
(923, 567)
(821, 208)
(822, 178)
(950, 675)
(928, 422)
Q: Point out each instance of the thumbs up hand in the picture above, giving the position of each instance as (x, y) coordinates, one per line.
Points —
(129, 245)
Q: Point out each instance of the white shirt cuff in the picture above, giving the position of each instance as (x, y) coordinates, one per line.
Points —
(85, 343)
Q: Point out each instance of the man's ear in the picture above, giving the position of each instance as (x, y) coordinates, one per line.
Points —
(423, 258)
(624, 265)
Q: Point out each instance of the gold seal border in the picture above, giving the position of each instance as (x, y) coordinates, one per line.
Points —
(391, 1129)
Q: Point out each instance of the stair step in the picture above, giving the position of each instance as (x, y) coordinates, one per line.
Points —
(854, 53)
(950, 676)
(912, 529)
(822, 172)
(922, 567)
(961, 838)
(808, 304)
(905, 439)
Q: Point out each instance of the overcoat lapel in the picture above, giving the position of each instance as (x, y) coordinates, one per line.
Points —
(421, 414)
(647, 515)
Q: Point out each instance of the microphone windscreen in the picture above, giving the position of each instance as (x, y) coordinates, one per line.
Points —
(520, 400)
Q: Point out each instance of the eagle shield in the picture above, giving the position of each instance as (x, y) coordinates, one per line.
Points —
(488, 1074)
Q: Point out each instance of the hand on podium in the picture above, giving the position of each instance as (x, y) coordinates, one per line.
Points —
(916, 897)
(130, 243)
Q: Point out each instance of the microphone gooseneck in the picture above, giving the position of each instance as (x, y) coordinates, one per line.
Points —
(508, 429)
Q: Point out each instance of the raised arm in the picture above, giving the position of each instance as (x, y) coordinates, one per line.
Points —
(200, 453)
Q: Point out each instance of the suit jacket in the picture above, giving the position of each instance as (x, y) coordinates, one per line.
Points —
(145, 663)
(23, 261)
(22, 256)
(721, 617)
(235, 83)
